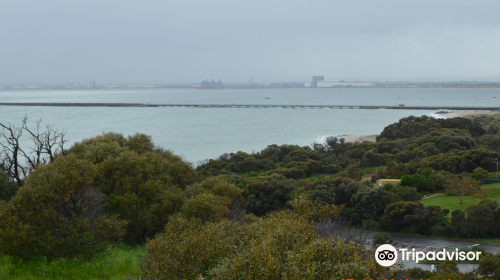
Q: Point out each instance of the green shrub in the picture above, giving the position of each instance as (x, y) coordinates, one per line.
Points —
(369, 203)
(58, 213)
(267, 193)
(381, 238)
(370, 225)
(330, 169)
(489, 266)
(286, 246)
(205, 206)
(213, 199)
(479, 173)
(188, 248)
(291, 173)
(315, 210)
(407, 193)
(138, 180)
(415, 181)
(219, 185)
(281, 245)
(388, 187)
(330, 190)
(413, 217)
(7, 188)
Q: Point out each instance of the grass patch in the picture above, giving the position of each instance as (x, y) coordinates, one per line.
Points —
(453, 202)
(369, 170)
(450, 202)
(117, 262)
(317, 176)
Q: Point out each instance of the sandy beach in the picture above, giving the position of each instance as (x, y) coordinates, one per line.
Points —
(454, 114)
(359, 138)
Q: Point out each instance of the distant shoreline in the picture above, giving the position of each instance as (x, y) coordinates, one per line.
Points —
(157, 87)
(454, 114)
(360, 138)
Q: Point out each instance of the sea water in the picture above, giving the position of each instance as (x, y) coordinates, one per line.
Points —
(203, 133)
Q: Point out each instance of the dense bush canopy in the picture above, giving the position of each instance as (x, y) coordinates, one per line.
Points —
(258, 215)
(136, 178)
(282, 245)
(58, 213)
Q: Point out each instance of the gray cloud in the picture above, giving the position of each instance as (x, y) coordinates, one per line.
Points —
(186, 41)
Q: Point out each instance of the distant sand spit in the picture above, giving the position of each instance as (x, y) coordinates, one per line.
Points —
(360, 138)
(454, 114)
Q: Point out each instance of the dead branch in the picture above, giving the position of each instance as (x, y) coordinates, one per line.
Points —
(18, 161)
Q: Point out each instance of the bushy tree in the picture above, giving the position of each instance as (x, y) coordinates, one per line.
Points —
(221, 185)
(298, 156)
(458, 162)
(268, 193)
(388, 187)
(7, 187)
(291, 172)
(409, 127)
(417, 126)
(371, 158)
(331, 190)
(205, 206)
(286, 246)
(211, 200)
(407, 193)
(369, 203)
(489, 266)
(482, 220)
(417, 181)
(479, 173)
(464, 186)
(188, 248)
(282, 245)
(447, 269)
(400, 214)
(354, 172)
(438, 180)
(412, 216)
(396, 169)
(458, 222)
(490, 141)
(137, 179)
(58, 213)
(315, 210)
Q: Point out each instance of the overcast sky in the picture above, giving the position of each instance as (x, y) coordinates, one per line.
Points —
(158, 41)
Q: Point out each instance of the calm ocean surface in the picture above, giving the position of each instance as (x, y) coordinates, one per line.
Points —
(201, 133)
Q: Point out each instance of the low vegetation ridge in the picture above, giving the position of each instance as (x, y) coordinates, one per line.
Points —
(281, 213)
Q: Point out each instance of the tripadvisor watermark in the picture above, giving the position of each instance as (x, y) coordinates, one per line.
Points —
(387, 255)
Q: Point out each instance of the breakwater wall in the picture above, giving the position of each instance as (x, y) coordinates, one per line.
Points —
(289, 106)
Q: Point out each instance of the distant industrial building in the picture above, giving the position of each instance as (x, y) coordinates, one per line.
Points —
(316, 79)
(320, 82)
(359, 84)
(331, 84)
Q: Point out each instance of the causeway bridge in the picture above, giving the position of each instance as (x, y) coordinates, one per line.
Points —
(287, 106)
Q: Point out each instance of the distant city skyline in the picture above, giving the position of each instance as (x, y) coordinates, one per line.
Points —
(412, 80)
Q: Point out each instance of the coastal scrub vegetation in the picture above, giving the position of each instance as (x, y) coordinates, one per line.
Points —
(271, 214)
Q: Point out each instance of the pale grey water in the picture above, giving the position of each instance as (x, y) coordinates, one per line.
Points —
(201, 133)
